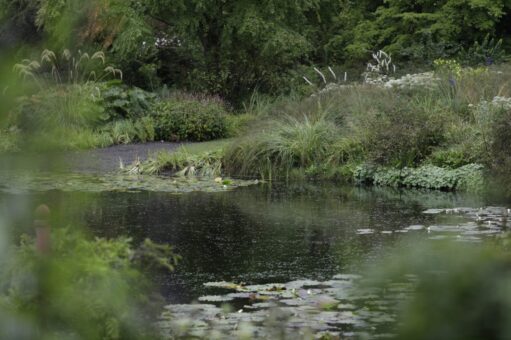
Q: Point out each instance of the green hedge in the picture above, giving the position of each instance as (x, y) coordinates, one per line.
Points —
(190, 120)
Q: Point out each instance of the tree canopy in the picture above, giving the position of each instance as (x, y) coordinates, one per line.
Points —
(233, 48)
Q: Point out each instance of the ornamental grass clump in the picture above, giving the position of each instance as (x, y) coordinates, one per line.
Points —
(290, 144)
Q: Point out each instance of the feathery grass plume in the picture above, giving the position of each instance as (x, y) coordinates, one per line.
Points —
(308, 81)
(67, 68)
(320, 74)
(379, 73)
(332, 72)
(383, 63)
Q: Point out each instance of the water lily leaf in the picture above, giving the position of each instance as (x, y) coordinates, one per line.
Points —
(303, 284)
(122, 182)
(215, 298)
(415, 227)
(434, 211)
(365, 231)
(266, 288)
(347, 277)
(223, 284)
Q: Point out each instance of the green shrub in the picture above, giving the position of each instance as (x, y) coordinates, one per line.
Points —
(469, 177)
(129, 131)
(144, 129)
(492, 119)
(85, 139)
(501, 134)
(346, 150)
(122, 131)
(123, 102)
(65, 139)
(446, 300)
(451, 158)
(403, 136)
(190, 120)
(239, 124)
(9, 140)
(499, 149)
(486, 52)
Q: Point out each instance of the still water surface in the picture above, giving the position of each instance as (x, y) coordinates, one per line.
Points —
(261, 233)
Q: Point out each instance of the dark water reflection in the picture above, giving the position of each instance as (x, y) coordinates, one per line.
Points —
(258, 234)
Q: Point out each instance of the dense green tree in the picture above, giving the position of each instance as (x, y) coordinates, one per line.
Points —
(17, 22)
(342, 46)
(233, 48)
(237, 46)
(425, 29)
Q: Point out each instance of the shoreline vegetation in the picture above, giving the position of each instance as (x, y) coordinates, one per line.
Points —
(444, 129)
(311, 90)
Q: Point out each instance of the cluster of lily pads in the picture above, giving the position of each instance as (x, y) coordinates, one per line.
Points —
(464, 224)
(337, 308)
(344, 307)
(30, 182)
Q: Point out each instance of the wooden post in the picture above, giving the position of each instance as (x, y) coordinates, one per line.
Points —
(42, 229)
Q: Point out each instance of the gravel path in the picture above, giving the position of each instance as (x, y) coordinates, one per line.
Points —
(108, 159)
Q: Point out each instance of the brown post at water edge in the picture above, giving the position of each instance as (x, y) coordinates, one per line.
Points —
(42, 229)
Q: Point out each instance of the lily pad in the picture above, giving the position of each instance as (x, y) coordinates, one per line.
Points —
(434, 211)
(444, 228)
(223, 284)
(69, 182)
(216, 298)
(415, 227)
(347, 277)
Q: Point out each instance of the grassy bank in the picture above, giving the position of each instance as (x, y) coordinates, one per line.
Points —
(440, 129)
(447, 125)
(443, 130)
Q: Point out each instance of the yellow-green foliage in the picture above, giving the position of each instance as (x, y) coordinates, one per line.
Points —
(88, 289)
(448, 66)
